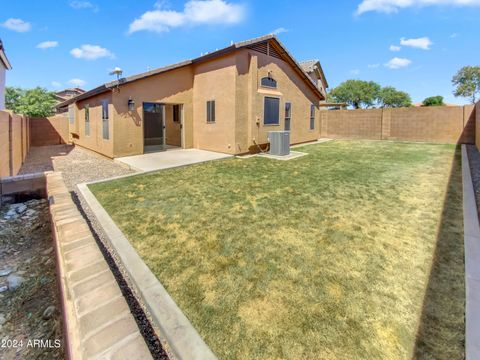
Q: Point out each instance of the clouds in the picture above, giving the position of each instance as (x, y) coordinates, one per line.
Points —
(47, 44)
(91, 52)
(423, 43)
(80, 5)
(397, 63)
(393, 6)
(195, 12)
(279, 30)
(17, 25)
(77, 82)
(395, 48)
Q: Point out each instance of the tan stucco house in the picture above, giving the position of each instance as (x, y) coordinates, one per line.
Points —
(226, 101)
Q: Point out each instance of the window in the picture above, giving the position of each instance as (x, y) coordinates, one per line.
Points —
(271, 111)
(105, 119)
(288, 115)
(312, 117)
(71, 114)
(87, 120)
(176, 113)
(211, 111)
(268, 82)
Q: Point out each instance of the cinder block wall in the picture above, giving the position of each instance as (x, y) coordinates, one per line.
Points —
(477, 125)
(352, 124)
(52, 130)
(443, 124)
(14, 142)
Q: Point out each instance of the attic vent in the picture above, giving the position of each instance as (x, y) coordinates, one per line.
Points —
(273, 52)
(265, 48)
(260, 47)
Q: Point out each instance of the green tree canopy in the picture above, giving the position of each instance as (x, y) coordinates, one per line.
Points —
(357, 93)
(391, 97)
(36, 102)
(433, 101)
(467, 82)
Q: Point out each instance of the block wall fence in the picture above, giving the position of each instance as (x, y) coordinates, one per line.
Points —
(442, 124)
(14, 142)
(477, 125)
(52, 130)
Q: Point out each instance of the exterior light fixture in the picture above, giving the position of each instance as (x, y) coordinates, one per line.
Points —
(131, 104)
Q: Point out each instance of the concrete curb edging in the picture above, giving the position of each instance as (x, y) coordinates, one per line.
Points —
(472, 263)
(97, 321)
(183, 339)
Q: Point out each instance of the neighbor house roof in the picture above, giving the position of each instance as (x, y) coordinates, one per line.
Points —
(205, 57)
(311, 65)
(3, 57)
(62, 96)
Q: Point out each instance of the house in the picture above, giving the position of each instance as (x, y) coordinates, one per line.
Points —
(315, 71)
(4, 66)
(66, 94)
(225, 101)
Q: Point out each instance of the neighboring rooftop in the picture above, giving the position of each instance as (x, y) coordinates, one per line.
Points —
(310, 66)
(68, 93)
(278, 51)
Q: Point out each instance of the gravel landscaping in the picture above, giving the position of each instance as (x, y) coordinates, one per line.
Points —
(29, 299)
(77, 164)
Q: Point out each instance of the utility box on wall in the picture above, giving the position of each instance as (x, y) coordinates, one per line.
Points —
(279, 142)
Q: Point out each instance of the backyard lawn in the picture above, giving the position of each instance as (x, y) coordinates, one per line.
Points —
(353, 251)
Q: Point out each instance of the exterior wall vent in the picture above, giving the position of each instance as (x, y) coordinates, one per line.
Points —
(279, 142)
(266, 48)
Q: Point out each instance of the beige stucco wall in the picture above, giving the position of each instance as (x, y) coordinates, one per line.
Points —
(251, 67)
(173, 87)
(215, 80)
(95, 140)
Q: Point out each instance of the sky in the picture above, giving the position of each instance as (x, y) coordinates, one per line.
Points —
(414, 45)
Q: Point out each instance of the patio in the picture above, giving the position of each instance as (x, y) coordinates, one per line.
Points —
(172, 157)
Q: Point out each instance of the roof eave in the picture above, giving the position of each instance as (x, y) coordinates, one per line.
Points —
(4, 59)
(97, 91)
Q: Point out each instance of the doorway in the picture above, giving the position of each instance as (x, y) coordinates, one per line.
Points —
(153, 127)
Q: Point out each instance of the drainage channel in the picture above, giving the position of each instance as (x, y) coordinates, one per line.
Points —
(156, 347)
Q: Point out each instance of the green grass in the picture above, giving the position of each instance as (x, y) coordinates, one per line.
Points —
(353, 251)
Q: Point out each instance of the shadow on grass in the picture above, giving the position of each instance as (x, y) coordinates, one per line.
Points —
(441, 333)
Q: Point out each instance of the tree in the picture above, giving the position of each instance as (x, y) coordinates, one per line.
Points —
(433, 101)
(467, 82)
(12, 98)
(356, 93)
(391, 97)
(36, 102)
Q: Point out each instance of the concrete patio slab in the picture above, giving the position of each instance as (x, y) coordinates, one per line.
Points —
(170, 158)
(292, 155)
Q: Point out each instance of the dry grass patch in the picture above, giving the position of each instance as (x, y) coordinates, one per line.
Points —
(354, 251)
